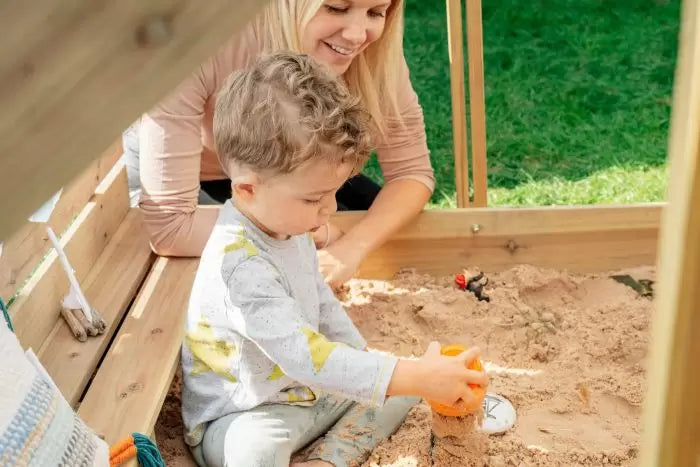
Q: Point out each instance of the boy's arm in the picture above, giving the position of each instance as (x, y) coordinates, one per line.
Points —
(334, 320)
(264, 312)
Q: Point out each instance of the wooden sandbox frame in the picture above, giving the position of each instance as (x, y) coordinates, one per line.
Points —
(66, 76)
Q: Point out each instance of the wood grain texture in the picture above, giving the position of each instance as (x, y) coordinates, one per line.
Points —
(111, 284)
(581, 239)
(23, 251)
(131, 384)
(75, 74)
(459, 118)
(477, 104)
(37, 307)
(672, 408)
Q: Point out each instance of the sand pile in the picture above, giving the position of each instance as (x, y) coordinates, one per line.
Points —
(567, 350)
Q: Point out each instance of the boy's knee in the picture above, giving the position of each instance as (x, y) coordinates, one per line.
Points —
(253, 441)
(258, 456)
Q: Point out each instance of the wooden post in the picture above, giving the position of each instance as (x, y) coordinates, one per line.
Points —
(672, 408)
(477, 106)
(459, 119)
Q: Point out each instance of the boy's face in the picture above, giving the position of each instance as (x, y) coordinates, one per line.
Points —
(295, 203)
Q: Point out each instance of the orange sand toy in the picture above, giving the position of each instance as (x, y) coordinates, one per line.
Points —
(478, 391)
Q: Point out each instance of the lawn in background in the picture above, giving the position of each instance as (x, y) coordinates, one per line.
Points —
(578, 97)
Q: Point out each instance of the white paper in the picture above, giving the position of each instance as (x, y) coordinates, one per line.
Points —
(44, 212)
(71, 300)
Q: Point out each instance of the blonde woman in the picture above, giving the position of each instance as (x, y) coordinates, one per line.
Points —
(361, 41)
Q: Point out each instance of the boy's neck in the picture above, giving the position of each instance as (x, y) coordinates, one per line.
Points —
(256, 222)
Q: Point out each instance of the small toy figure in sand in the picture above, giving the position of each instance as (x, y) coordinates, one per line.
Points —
(474, 284)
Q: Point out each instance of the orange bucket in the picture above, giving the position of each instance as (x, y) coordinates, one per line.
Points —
(478, 391)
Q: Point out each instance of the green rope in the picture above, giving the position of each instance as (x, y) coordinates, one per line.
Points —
(147, 453)
(6, 314)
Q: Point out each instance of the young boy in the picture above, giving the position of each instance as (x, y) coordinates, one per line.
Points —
(271, 361)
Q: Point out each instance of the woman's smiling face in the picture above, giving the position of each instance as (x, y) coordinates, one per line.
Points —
(341, 29)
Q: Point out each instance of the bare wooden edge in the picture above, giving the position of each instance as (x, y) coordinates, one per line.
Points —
(459, 119)
(128, 390)
(477, 105)
(485, 222)
(672, 406)
(580, 239)
(111, 285)
(37, 307)
(77, 81)
(574, 252)
(25, 249)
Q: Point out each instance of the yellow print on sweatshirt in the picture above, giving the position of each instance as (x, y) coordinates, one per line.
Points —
(210, 353)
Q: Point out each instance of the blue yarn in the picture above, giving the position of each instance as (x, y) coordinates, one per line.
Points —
(6, 314)
(147, 453)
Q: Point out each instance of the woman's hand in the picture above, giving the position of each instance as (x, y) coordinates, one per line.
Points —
(326, 235)
(339, 262)
(338, 259)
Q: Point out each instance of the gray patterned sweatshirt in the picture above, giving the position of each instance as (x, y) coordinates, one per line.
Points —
(263, 327)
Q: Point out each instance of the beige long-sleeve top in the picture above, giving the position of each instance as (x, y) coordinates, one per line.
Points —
(177, 149)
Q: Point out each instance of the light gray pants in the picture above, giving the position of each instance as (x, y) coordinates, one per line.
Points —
(268, 435)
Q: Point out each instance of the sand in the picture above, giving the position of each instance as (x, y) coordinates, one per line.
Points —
(567, 350)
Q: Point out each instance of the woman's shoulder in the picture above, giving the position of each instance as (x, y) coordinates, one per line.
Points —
(238, 52)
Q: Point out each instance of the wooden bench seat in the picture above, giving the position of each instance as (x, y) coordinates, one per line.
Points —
(130, 386)
(111, 286)
(117, 381)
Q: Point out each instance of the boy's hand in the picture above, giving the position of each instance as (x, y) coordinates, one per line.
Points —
(437, 377)
(450, 377)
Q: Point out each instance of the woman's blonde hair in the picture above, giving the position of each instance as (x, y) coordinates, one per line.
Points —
(372, 75)
(287, 110)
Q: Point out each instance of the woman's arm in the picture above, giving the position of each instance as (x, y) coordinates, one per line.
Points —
(171, 148)
(394, 207)
(405, 162)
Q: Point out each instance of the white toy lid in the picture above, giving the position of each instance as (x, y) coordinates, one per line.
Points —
(499, 414)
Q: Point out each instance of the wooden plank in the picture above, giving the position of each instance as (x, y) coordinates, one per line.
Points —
(36, 309)
(111, 285)
(459, 118)
(576, 252)
(585, 239)
(129, 388)
(672, 407)
(84, 72)
(477, 105)
(23, 251)
(486, 222)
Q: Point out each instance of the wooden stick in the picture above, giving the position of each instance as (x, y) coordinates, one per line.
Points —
(75, 326)
(477, 106)
(100, 323)
(74, 285)
(84, 322)
(672, 408)
(459, 119)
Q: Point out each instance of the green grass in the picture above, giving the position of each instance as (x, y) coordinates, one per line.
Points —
(577, 98)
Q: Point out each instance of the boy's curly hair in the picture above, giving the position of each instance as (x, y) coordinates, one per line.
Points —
(287, 110)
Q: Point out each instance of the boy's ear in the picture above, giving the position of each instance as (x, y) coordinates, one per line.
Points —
(244, 186)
